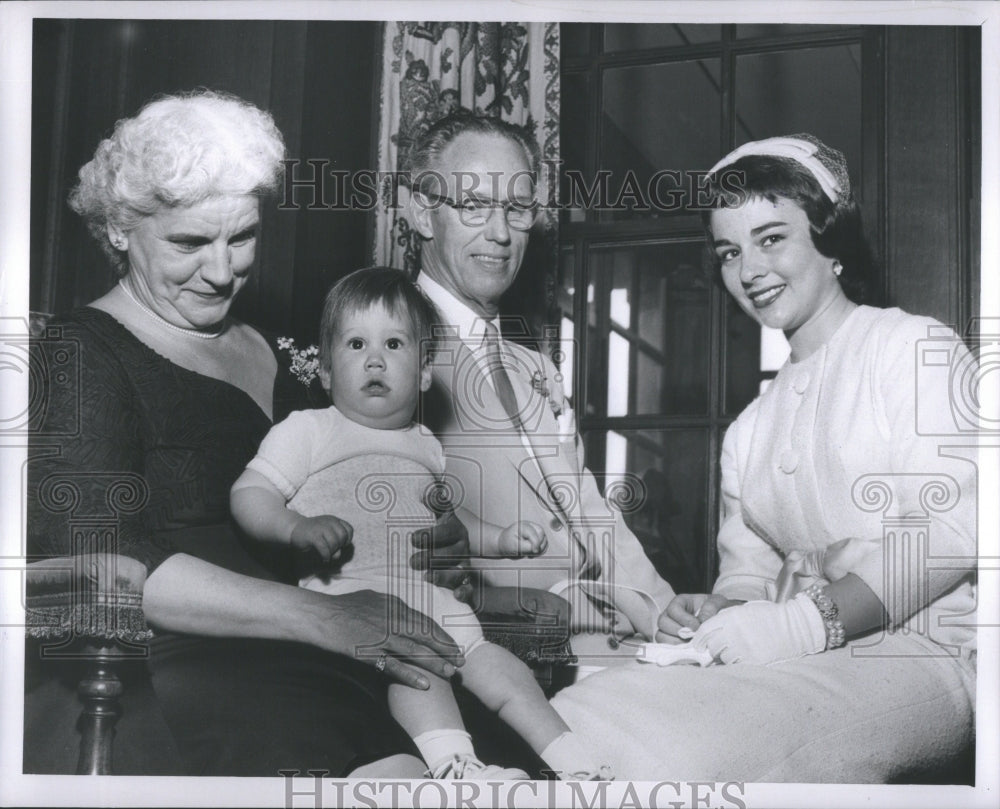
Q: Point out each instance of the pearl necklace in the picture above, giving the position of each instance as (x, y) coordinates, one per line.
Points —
(204, 335)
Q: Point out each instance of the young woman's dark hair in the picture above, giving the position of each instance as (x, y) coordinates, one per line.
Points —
(835, 227)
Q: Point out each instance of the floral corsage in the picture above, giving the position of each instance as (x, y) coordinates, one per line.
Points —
(565, 417)
(304, 361)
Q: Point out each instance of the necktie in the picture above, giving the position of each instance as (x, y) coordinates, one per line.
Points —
(498, 375)
(590, 567)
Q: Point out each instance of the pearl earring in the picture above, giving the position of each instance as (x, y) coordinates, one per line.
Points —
(837, 270)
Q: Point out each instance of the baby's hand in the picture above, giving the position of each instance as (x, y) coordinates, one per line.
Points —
(522, 539)
(326, 535)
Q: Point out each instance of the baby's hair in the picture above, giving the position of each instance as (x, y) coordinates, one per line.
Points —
(389, 287)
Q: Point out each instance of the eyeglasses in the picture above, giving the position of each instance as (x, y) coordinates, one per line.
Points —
(474, 212)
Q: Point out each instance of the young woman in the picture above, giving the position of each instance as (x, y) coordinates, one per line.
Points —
(840, 625)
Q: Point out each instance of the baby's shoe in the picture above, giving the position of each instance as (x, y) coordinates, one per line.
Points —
(470, 768)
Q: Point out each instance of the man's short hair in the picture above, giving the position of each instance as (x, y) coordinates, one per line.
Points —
(429, 146)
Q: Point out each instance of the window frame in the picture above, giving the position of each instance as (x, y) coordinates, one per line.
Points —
(582, 237)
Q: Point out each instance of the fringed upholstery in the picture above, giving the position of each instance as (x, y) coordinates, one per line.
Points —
(535, 644)
(73, 597)
(114, 616)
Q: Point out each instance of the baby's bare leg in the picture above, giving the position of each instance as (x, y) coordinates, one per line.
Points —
(434, 723)
(505, 685)
(420, 711)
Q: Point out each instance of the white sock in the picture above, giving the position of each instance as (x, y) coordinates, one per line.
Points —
(567, 754)
(438, 746)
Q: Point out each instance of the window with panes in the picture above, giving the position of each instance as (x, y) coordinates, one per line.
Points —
(664, 360)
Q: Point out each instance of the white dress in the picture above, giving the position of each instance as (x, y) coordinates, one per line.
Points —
(863, 441)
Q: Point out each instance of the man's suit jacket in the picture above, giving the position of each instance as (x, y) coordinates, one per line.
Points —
(497, 481)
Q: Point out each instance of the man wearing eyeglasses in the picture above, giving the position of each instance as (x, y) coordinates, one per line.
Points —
(513, 454)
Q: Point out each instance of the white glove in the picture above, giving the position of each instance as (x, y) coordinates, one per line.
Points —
(763, 632)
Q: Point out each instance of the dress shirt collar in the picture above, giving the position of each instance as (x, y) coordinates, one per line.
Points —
(471, 326)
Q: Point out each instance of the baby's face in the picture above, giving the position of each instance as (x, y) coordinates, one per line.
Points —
(375, 372)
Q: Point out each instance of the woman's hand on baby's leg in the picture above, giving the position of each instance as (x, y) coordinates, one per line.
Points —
(687, 612)
(382, 631)
(522, 539)
(325, 536)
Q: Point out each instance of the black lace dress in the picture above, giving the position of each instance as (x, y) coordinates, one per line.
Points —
(146, 451)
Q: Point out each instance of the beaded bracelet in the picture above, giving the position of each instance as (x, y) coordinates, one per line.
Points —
(835, 635)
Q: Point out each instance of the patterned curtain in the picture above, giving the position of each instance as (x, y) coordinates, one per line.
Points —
(429, 69)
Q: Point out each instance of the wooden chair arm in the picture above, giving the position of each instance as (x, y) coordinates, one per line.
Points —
(88, 609)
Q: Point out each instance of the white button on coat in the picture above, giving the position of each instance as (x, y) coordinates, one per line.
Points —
(789, 461)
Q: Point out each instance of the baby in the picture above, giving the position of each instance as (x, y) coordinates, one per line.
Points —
(362, 469)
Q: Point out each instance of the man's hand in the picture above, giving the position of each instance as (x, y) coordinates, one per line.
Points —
(324, 535)
(443, 551)
(522, 539)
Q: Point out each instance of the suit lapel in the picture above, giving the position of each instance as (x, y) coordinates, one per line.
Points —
(476, 419)
(527, 374)
(474, 413)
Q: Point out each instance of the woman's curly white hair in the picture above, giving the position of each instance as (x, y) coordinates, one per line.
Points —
(178, 151)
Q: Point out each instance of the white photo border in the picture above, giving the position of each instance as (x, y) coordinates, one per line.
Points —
(15, 115)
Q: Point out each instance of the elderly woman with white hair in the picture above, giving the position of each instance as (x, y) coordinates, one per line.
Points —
(253, 673)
